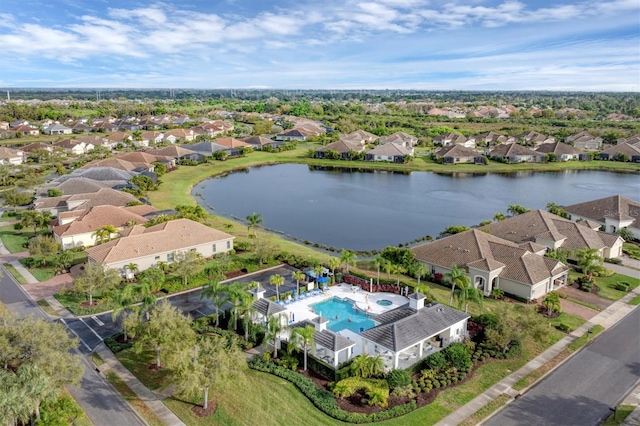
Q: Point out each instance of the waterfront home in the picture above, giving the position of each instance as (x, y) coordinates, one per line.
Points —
(563, 152)
(344, 148)
(75, 185)
(494, 262)
(78, 228)
(400, 138)
(621, 152)
(458, 154)
(104, 196)
(610, 213)
(389, 152)
(361, 137)
(454, 139)
(177, 153)
(533, 138)
(259, 142)
(295, 134)
(554, 232)
(232, 146)
(490, 139)
(515, 153)
(146, 247)
(584, 140)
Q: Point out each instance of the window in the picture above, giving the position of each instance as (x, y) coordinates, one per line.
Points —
(457, 331)
(213, 248)
(228, 245)
(170, 257)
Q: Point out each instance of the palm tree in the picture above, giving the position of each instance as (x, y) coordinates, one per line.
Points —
(552, 302)
(589, 260)
(275, 326)
(254, 219)
(302, 337)
(227, 226)
(65, 258)
(246, 309)
(516, 209)
(124, 300)
(148, 300)
(348, 258)
(388, 267)
(215, 291)
(466, 294)
(419, 269)
(277, 280)
(398, 270)
(334, 263)
(235, 293)
(30, 218)
(318, 269)
(499, 216)
(365, 366)
(298, 276)
(103, 234)
(379, 261)
(132, 267)
(457, 278)
(43, 219)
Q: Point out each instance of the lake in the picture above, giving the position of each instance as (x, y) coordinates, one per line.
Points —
(361, 210)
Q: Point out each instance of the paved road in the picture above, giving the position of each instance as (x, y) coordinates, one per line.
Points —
(98, 399)
(581, 391)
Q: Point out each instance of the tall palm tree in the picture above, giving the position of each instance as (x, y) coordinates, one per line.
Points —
(246, 309)
(318, 269)
(458, 278)
(254, 220)
(216, 292)
(275, 326)
(298, 276)
(277, 280)
(419, 269)
(499, 216)
(30, 218)
(398, 270)
(147, 301)
(302, 337)
(379, 261)
(589, 260)
(465, 294)
(43, 219)
(516, 209)
(334, 263)
(65, 258)
(348, 258)
(236, 292)
(552, 302)
(388, 267)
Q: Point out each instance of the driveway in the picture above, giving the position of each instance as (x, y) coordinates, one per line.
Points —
(49, 287)
(263, 278)
(584, 296)
(578, 310)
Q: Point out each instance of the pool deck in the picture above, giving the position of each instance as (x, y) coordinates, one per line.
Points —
(365, 301)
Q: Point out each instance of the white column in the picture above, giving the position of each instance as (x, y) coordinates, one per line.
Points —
(395, 359)
(420, 346)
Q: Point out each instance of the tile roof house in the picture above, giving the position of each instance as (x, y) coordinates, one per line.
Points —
(454, 139)
(295, 134)
(139, 157)
(612, 213)
(177, 153)
(342, 147)
(360, 136)
(620, 152)
(11, 156)
(26, 130)
(151, 138)
(392, 152)
(563, 152)
(458, 154)
(410, 331)
(175, 135)
(159, 243)
(118, 163)
(232, 146)
(78, 230)
(533, 138)
(584, 140)
(259, 142)
(74, 146)
(554, 232)
(516, 153)
(494, 262)
(400, 138)
(57, 129)
(99, 173)
(633, 140)
(491, 138)
(76, 185)
(119, 137)
(205, 148)
(104, 196)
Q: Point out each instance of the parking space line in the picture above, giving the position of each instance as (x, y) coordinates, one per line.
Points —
(75, 334)
(95, 318)
(92, 330)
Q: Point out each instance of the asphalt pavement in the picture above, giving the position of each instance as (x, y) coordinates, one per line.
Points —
(581, 391)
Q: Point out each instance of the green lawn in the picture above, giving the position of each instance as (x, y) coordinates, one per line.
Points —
(139, 365)
(46, 307)
(14, 240)
(631, 250)
(607, 284)
(570, 320)
(635, 301)
(618, 417)
(141, 408)
(13, 271)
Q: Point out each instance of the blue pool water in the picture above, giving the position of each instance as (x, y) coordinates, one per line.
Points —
(342, 314)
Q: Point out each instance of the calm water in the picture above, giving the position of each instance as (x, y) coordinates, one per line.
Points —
(365, 211)
(341, 314)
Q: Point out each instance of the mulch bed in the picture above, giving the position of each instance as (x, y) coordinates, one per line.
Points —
(234, 274)
(154, 367)
(201, 412)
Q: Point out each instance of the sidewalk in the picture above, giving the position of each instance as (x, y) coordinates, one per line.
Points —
(606, 318)
(148, 397)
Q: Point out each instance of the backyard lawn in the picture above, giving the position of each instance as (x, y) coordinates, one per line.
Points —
(14, 240)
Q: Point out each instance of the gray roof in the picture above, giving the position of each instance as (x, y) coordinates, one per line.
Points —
(412, 329)
(206, 148)
(326, 338)
(266, 307)
(99, 173)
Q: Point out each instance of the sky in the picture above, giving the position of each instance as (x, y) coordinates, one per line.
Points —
(322, 44)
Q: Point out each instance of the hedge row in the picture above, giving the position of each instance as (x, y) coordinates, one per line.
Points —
(324, 400)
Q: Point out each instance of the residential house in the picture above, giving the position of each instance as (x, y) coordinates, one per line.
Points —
(533, 138)
(344, 148)
(633, 140)
(610, 213)
(458, 154)
(118, 163)
(515, 153)
(175, 135)
(563, 152)
(79, 128)
(102, 174)
(177, 153)
(205, 148)
(78, 228)
(400, 138)
(361, 137)
(139, 157)
(18, 123)
(339, 347)
(11, 156)
(414, 331)
(74, 146)
(232, 146)
(150, 138)
(490, 139)
(389, 152)
(493, 262)
(294, 134)
(259, 142)
(96, 141)
(36, 146)
(104, 196)
(311, 127)
(584, 140)
(26, 130)
(119, 138)
(75, 185)
(621, 152)
(555, 232)
(454, 139)
(146, 247)
(57, 129)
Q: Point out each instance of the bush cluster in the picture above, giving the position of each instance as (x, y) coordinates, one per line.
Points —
(115, 346)
(622, 286)
(324, 400)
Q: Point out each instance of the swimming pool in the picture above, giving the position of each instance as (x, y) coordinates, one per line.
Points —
(343, 315)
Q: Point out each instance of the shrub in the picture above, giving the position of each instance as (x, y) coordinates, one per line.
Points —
(622, 286)
(564, 327)
(115, 346)
(18, 226)
(458, 355)
(398, 378)
(488, 320)
(613, 260)
(437, 361)
(586, 285)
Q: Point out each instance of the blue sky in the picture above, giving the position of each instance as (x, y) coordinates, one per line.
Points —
(339, 44)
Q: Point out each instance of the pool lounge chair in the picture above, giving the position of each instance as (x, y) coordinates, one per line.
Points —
(303, 295)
